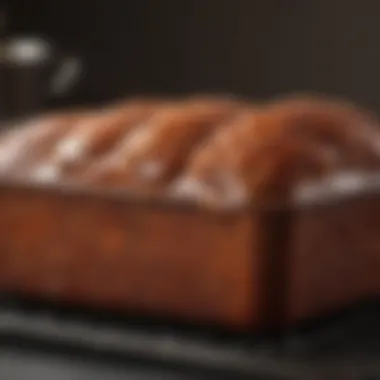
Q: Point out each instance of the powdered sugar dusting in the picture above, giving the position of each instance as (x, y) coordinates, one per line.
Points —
(71, 149)
(188, 187)
(46, 173)
(137, 139)
(336, 184)
(151, 170)
(192, 188)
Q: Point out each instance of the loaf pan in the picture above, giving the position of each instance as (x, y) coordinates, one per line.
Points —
(248, 268)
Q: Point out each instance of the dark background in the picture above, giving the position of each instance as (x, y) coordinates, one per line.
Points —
(255, 48)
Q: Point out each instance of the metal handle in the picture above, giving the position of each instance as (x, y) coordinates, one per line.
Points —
(67, 75)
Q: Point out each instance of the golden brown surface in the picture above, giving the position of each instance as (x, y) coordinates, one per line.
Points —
(264, 152)
(21, 149)
(153, 153)
(187, 262)
(112, 254)
(210, 149)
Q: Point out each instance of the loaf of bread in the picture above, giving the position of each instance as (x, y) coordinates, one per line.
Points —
(211, 150)
(240, 269)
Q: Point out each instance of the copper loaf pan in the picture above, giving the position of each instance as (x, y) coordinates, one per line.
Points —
(243, 268)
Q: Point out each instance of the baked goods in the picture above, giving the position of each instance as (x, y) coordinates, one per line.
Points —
(251, 267)
(22, 147)
(99, 133)
(93, 135)
(264, 154)
(157, 150)
(212, 150)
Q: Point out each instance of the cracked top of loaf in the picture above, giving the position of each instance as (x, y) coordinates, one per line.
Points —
(216, 150)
